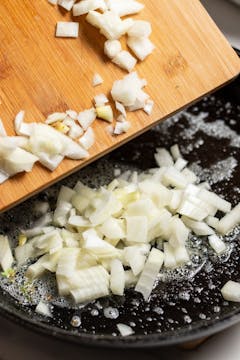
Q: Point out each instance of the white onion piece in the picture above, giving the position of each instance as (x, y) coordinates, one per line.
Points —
(92, 284)
(113, 228)
(189, 175)
(16, 161)
(61, 213)
(127, 90)
(125, 330)
(97, 80)
(117, 278)
(112, 48)
(50, 162)
(100, 100)
(215, 200)
(141, 47)
(88, 139)
(163, 157)
(121, 108)
(94, 244)
(192, 211)
(180, 164)
(135, 257)
(179, 233)
(67, 29)
(174, 178)
(86, 118)
(65, 194)
(175, 201)
(52, 118)
(43, 309)
(148, 107)
(6, 258)
(18, 122)
(137, 227)
(75, 131)
(84, 6)
(121, 127)
(150, 272)
(199, 228)
(217, 244)
(204, 185)
(53, 2)
(66, 4)
(212, 221)
(2, 129)
(125, 7)
(229, 221)
(231, 291)
(94, 18)
(14, 141)
(105, 113)
(111, 25)
(125, 60)
(140, 29)
(169, 256)
(72, 114)
(175, 151)
(79, 221)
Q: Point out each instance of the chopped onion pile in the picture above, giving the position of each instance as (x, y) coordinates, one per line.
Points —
(106, 15)
(49, 143)
(102, 241)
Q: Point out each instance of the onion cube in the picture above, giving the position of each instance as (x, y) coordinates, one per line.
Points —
(67, 29)
(231, 291)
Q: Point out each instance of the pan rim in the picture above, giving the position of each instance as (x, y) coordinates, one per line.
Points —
(191, 333)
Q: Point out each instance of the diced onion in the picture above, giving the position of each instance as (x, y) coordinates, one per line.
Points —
(88, 139)
(141, 47)
(125, 330)
(148, 107)
(97, 80)
(117, 278)
(175, 151)
(217, 244)
(125, 7)
(125, 60)
(229, 221)
(150, 272)
(43, 309)
(67, 29)
(140, 29)
(66, 4)
(105, 113)
(6, 258)
(231, 291)
(112, 48)
(100, 100)
(84, 6)
(86, 118)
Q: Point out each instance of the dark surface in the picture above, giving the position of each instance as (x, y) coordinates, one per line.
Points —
(181, 309)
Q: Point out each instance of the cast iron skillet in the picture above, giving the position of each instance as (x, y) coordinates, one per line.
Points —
(189, 306)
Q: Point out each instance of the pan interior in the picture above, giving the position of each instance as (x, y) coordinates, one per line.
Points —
(208, 136)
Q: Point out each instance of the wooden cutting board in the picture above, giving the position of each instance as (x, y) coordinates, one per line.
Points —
(41, 74)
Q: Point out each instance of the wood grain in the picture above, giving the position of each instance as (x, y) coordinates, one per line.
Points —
(42, 74)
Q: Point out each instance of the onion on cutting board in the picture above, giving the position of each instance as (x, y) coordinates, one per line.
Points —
(65, 62)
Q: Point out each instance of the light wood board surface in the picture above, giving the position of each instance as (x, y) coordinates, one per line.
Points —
(41, 74)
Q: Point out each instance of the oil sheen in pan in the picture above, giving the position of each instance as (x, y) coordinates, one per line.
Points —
(208, 135)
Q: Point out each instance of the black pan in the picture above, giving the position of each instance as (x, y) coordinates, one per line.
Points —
(185, 304)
